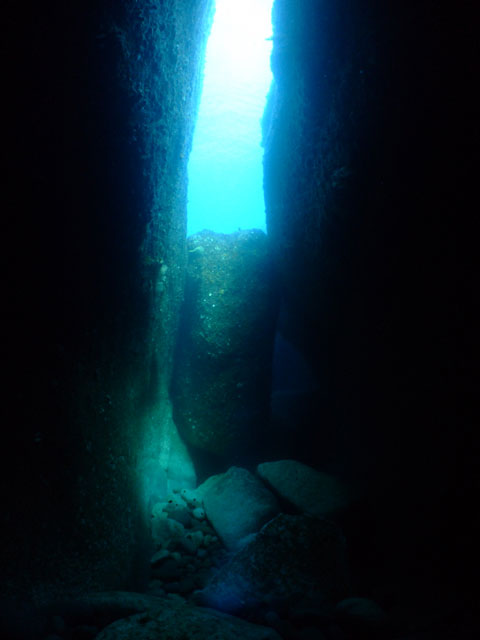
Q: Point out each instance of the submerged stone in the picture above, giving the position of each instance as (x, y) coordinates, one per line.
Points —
(291, 557)
(221, 384)
(310, 491)
(178, 621)
(237, 504)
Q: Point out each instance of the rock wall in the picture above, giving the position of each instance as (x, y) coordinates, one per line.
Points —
(222, 377)
(103, 97)
(369, 145)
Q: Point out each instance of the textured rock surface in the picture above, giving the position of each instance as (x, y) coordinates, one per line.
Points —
(155, 618)
(99, 609)
(310, 491)
(223, 370)
(362, 615)
(187, 546)
(109, 112)
(291, 556)
(369, 175)
(177, 621)
(237, 504)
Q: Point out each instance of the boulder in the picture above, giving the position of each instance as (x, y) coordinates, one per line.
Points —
(177, 621)
(98, 609)
(310, 491)
(291, 557)
(222, 378)
(237, 504)
(362, 615)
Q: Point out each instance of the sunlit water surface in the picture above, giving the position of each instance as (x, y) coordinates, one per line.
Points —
(225, 190)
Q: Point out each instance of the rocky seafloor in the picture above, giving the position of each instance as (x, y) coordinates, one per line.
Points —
(244, 555)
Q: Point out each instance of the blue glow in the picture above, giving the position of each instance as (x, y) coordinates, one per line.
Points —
(225, 191)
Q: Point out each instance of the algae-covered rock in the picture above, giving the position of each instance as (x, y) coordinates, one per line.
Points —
(221, 384)
(310, 491)
(237, 504)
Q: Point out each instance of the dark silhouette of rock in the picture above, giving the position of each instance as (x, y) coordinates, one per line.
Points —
(177, 621)
(292, 557)
(310, 491)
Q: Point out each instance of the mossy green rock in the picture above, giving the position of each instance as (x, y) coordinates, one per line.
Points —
(308, 490)
(222, 380)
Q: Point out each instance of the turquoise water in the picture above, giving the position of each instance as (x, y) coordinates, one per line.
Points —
(225, 191)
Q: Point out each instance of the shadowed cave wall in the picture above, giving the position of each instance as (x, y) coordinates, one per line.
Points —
(369, 138)
(369, 177)
(103, 99)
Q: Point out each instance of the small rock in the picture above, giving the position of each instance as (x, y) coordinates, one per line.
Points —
(157, 510)
(197, 537)
(159, 556)
(182, 586)
(181, 515)
(191, 498)
(175, 528)
(361, 614)
(334, 632)
(201, 578)
(272, 619)
(170, 569)
(308, 633)
(58, 625)
(160, 528)
(188, 545)
(84, 632)
(198, 513)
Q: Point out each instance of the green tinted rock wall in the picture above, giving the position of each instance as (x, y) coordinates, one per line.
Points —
(221, 385)
(103, 97)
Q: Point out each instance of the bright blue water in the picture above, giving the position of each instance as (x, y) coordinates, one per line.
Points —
(225, 191)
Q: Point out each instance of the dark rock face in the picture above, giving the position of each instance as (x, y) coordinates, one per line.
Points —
(292, 557)
(369, 144)
(114, 613)
(178, 621)
(222, 378)
(100, 137)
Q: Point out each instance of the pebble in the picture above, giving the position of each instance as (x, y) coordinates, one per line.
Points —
(84, 632)
(58, 624)
(186, 543)
(170, 569)
(159, 556)
(182, 586)
(181, 515)
(190, 497)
